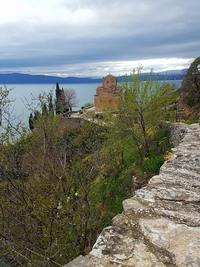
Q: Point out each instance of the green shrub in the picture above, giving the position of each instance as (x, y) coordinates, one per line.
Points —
(152, 164)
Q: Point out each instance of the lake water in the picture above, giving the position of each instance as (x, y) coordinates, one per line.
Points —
(22, 94)
(25, 94)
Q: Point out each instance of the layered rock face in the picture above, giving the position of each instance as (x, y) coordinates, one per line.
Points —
(160, 224)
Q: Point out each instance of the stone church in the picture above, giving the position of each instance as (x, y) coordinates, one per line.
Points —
(107, 96)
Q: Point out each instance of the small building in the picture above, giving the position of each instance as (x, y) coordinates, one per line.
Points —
(107, 96)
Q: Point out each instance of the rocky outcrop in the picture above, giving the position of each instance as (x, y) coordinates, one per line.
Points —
(160, 224)
(189, 103)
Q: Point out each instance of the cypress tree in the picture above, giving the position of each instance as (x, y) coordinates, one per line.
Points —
(31, 122)
(50, 104)
(58, 99)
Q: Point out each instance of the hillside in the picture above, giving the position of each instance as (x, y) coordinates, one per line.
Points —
(21, 78)
(48, 171)
(160, 224)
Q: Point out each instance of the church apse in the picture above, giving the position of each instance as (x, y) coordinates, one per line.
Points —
(107, 96)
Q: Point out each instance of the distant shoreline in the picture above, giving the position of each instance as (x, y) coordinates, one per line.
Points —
(20, 78)
(83, 82)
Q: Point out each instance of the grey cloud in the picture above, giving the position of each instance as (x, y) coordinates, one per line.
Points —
(120, 30)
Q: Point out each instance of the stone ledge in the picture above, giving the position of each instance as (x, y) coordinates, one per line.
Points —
(160, 224)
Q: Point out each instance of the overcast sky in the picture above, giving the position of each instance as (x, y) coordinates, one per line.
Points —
(95, 37)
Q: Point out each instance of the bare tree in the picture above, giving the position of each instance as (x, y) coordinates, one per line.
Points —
(4, 102)
(70, 99)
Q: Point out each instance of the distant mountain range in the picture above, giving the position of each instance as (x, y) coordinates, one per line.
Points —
(21, 78)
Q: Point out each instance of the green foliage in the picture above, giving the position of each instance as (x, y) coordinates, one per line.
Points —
(155, 158)
(64, 184)
(152, 164)
(143, 106)
(65, 101)
(58, 99)
(44, 109)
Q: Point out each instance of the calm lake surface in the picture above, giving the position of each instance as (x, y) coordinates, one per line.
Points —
(22, 94)
(25, 94)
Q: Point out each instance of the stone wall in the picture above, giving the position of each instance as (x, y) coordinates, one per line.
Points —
(160, 224)
(177, 132)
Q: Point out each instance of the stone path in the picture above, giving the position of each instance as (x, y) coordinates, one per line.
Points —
(160, 224)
